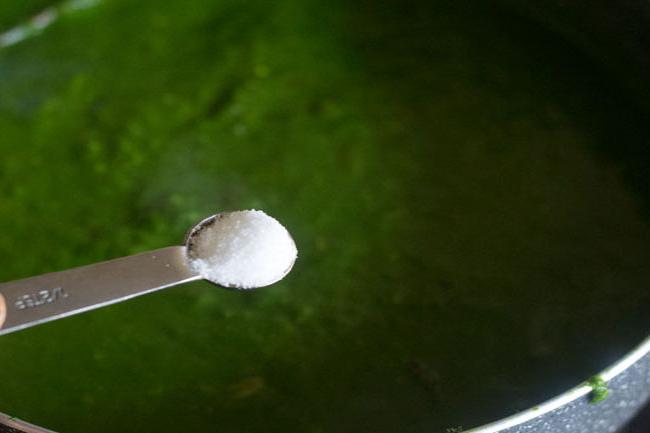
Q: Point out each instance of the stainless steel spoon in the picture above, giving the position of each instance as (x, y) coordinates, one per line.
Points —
(40, 299)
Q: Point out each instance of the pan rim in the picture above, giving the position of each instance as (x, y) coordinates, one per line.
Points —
(566, 397)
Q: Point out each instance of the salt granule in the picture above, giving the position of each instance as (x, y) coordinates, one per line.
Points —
(243, 249)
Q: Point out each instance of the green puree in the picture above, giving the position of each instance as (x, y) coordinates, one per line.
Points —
(464, 189)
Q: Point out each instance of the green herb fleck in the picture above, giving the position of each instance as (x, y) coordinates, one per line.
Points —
(599, 389)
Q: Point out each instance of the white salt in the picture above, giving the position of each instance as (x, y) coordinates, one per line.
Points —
(243, 249)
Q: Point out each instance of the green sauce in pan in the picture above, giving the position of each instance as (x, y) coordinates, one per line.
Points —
(466, 192)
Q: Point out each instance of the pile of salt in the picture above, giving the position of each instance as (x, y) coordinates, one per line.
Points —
(243, 249)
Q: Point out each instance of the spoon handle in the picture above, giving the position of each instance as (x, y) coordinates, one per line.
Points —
(40, 299)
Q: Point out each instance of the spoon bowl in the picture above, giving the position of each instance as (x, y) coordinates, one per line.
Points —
(192, 251)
